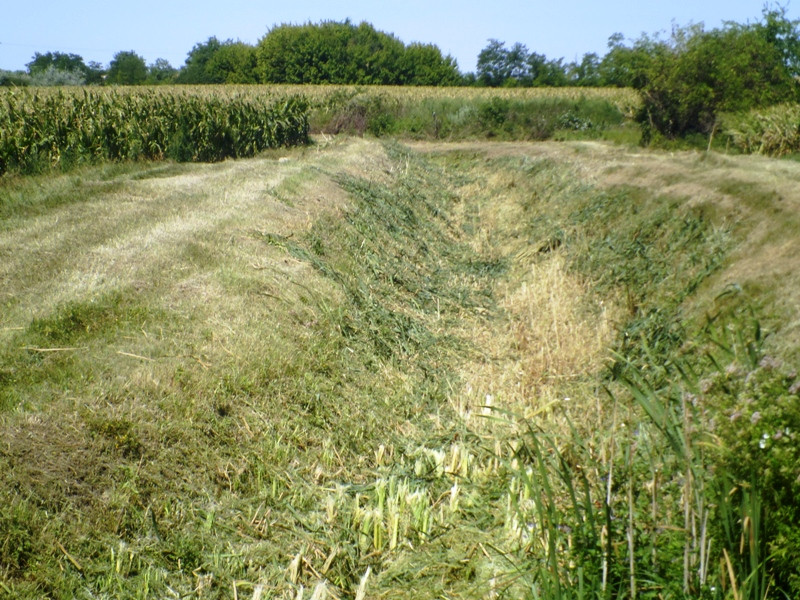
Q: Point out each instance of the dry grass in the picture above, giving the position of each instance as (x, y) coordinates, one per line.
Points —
(560, 331)
(757, 197)
(210, 394)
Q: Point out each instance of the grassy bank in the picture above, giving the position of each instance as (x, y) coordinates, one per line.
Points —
(362, 370)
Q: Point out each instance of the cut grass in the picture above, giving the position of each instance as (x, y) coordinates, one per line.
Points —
(311, 376)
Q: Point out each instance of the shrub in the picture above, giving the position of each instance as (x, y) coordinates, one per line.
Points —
(699, 74)
(54, 76)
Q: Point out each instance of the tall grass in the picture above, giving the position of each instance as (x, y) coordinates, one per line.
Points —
(382, 112)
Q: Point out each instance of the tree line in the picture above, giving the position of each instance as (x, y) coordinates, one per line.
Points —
(328, 52)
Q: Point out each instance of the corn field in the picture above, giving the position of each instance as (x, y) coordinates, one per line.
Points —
(41, 129)
(774, 131)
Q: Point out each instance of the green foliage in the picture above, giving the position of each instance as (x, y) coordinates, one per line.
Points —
(756, 401)
(53, 76)
(495, 64)
(624, 66)
(219, 62)
(59, 130)
(58, 60)
(515, 66)
(423, 64)
(488, 116)
(344, 53)
(545, 72)
(58, 68)
(691, 79)
(774, 131)
(14, 79)
(161, 72)
(194, 71)
(233, 62)
(127, 68)
(782, 33)
(587, 72)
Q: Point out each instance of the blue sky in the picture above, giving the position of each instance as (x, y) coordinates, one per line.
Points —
(168, 29)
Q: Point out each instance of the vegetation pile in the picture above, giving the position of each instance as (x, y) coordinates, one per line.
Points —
(39, 131)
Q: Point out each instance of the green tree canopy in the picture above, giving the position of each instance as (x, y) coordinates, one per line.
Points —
(127, 68)
(345, 53)
(624, 66)
(194, 70)
(493, 64)
(544, 72)
(587, 72)
(687, 81)
(501, 66)
(161, 72)
(233, 62)
(58, 60)
(63, 67)
(423, 64)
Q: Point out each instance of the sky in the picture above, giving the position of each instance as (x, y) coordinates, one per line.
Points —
(96, 30)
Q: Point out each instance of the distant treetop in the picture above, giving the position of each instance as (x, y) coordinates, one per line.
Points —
(345, 53)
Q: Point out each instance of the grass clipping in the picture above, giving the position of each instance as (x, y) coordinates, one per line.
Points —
(559, 331)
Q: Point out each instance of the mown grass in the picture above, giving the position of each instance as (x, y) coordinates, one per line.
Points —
(366, 372)
(221, 400)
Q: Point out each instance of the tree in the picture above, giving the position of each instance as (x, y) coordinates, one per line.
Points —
(587, 72)
(161, 72)
(95, 73)
(627, 67)
(498, 65)
(53, 76)
(127, 68)
(344, 53)
(194, 70)
(233, 62)
(59, 68)
(784, 35)
(14, 78)
(493, 67)
(689, 80)
(423, 64)
(545, 72)
(57, 60)
(517, 63)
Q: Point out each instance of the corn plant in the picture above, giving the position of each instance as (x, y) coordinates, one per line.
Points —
(41, 130)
